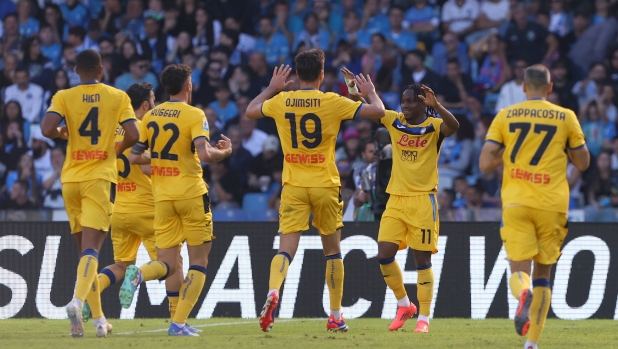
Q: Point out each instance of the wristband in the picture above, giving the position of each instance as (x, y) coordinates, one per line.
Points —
(351, 90)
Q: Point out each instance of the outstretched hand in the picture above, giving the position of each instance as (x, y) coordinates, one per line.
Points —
(280, 75)
(365, 85)
(224, 144)
(430, 97)
(348, 76)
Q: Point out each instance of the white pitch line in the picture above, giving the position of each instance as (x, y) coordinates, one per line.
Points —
(213, 325)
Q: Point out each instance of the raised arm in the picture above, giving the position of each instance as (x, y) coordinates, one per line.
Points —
(138, 154)
(450, 124)
(210, 154)
(277, 83)
(373, 108)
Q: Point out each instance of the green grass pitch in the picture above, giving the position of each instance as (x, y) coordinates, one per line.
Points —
(307, 333)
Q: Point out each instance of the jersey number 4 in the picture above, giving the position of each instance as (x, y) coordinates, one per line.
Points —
(524, 127)
(312, 138)
(165, 152)
(90, 126)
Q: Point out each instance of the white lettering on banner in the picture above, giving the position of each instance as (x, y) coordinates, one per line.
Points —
(389, 309)
(46, 278)
(14, 281)
(290, 286)
(597, 285)
(481, 295)
(155, 288)
(244, 294)
(370, 247)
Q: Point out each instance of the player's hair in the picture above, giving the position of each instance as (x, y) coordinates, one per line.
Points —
(416, 88)
(537, 77)
(174, 76)
(88, 61)
(139, 93)
(309, 64)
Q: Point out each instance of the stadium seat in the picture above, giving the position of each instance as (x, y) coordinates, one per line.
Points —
(229, 215)
(255, 202)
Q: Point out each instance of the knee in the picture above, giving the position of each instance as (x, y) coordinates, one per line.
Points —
(386, 257)
(124, 265)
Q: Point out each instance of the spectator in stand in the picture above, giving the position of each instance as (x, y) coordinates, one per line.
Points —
(15, 144)
(414, 71)
(39, 67)
(614, 159)
(230, 38)
(273, 45)
(453, 90)
(69, 56)
(581, 21)
(345, 57)
(494, 70)
(182, 46)
(154, 46)
(49, 48)
(312, 35)
(216, 127)
(207, 32)
(527, 40)
(446, 198)
(447, 49)
(590, 87)
(246, 42)
(424, 21)
(76, 38)
(373, 20)
(59, 81)
(91, 41)
(51, 184)
(12, 112)
(18, 198)
(606, 102)
(25, 172)
(240, 83)
(265, 165)
(171, 27)
(222, 54)
(599, 183)
(493, 14)
(224, 106)
(8, 72)
(513, 91)
(373, 58)
(29, 95)
(75, 14)
(402, 39)
(138, 72)
(474, 105)
(209, 82)
(350, 150)
(11, 38)
(352, 33)
(259, 69)
(332, 84)
(7, 7)
(329, 21)
(592, 120)
(560, 21)
(474, 198)
(41, 153)
(562, 85)
(133, 21)
(241, 159)
(253, 139)
(458, 16)
(28, 26)
(225, 189)
(601, 14)
(53, 17)
(128, 50)
(456, 155)
(285, 23)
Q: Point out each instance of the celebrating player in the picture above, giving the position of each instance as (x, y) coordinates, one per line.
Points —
(177, 136)
(529, 138)
(89, 174)
(308, 122)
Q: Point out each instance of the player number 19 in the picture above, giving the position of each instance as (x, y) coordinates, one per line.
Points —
(312, 138)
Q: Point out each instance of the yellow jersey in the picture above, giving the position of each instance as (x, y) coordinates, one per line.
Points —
(416, 149)
(308, 122)
(168, 131)
(92, 112)
(134, 189)
(535, 134)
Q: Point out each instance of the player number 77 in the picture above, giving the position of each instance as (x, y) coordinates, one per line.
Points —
(524, 129)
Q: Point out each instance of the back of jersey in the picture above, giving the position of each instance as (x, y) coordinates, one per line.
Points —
(169, 131)
(92, 112)
(308, 122)
(536, 134)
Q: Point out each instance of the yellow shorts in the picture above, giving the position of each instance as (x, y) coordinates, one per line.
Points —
(128, 231)
(297, 203)
(529, 233)
(187, 220)
(89, 204)
(411, 221)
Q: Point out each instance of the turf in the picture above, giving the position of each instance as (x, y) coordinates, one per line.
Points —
(307, 333)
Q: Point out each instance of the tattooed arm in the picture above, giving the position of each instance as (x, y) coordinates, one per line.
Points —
(491, 156)
(210, 154)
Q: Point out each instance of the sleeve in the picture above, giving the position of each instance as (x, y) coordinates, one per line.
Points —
(126, 113)
(494, 134)
(57, 106)
(575, 135)
(270, 107)
(387, 120)
(199, 128)
(119, 134)
(347, 108)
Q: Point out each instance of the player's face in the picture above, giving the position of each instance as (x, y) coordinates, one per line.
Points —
(151, 101)
(411, 105)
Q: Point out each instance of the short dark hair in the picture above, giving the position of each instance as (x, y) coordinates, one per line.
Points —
(453, 60)
(363, 145)
(330, 70)
(44, 25)
(232, 34)
(14, 14)
(94, 26)
(136, 59)
(417, 53)
(265, 18)
(351, 13)
(222, 49)
(22, 69)
(24, 183)
(88, 61)
(78, 31)
(139, 93)
(395, 7)
(103, 39)
(309, 64)
(174, 76)
(537, 77)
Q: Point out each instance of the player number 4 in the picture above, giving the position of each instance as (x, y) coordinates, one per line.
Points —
(90, 126)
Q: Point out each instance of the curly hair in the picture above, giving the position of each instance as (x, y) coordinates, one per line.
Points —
(417, 90)
(174, 77)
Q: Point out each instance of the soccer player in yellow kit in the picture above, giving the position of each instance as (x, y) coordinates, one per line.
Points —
(308, 123)
(177, 136)
(530, 139)
(92, 111)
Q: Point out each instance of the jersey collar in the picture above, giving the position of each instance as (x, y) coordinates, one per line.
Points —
(175, 100)
(89, 82)
(536, 99)
(308, 88)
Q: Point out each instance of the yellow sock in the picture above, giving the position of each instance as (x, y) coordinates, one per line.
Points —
(154, 270)
(278, 270)
(86, 273)
(541, 298)
(94, 299)
(393, 276)
(172, 299)
(424, 289)
(334, 280)
(106, 278)
(189, 293)
(519, 281)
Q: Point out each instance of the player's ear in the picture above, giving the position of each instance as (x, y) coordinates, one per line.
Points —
(525, 89)
(550, 87)
(321, 75)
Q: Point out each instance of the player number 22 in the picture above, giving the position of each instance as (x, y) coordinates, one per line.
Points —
(524, 127)
(165, 152)
(312, 138)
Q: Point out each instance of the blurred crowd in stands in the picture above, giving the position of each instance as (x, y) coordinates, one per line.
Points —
(471, 52)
